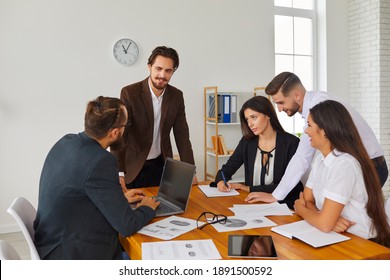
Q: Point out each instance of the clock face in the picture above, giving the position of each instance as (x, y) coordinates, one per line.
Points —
(126, 51)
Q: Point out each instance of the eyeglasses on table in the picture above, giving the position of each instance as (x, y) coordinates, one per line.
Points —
(210, 218)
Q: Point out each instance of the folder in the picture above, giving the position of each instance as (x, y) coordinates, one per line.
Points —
(220, 108)
(212, 106)
(226, 108)
(233, 108)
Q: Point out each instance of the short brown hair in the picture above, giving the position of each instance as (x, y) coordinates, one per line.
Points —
(165, 52)
(102, 114)
(283, 82)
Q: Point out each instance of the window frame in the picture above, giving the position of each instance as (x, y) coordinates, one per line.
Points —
(302, 13)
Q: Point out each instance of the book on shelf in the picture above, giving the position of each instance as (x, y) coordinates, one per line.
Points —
(309, 234)
(215, 141)
(219, 145)
(222, 141)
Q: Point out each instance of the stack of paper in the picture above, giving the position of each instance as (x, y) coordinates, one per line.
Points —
(180, 250)
(272, 209)
(169, 228)
(243, 222)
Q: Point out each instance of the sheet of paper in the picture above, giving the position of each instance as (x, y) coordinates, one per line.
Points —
(214, 192)
(243, 222)
(180, 250)
(169, 228)
(271, 209)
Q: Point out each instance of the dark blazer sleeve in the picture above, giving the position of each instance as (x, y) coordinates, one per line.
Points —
(240, 156)
(103, 188)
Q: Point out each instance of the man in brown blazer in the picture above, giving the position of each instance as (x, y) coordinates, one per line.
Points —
(154, 108)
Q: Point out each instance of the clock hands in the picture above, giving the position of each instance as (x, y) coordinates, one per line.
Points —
(128, 47)
(125, 50)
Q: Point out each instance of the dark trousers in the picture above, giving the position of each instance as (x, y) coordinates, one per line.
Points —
(150, 174)
(381, 168)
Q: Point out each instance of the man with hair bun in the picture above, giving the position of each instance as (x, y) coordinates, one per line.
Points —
(82, 208)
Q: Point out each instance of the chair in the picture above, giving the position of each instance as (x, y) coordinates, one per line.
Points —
(24, 213)
(7, 251)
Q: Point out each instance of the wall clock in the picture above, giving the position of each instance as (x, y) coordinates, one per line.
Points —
(126, 51)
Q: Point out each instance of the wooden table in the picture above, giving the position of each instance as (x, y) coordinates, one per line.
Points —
(355, 248)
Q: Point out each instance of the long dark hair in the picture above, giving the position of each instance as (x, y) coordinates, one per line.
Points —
(102, 114)
(262, 105)
(339, 128)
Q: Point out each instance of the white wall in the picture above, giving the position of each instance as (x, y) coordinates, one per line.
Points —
(55, 56)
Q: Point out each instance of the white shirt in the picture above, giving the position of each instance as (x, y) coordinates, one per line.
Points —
(338, 177)
(268, 179)
(300, 162)
(155, 150)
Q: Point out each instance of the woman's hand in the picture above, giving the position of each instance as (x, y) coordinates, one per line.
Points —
(222, 188)
(342, 225)
(299, 203)
(237, 186)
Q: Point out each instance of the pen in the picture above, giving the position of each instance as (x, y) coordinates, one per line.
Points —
(224, 180)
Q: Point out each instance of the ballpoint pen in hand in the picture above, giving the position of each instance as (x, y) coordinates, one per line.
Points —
(224, 181)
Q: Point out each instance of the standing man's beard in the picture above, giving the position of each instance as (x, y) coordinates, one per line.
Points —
(291, 112)
(158, 86)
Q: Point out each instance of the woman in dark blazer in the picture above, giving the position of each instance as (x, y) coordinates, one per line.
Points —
(265, 150)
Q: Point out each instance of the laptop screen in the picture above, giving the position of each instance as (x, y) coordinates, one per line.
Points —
(176, 182)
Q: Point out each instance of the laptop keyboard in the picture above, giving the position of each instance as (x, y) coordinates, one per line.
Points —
(164, 208)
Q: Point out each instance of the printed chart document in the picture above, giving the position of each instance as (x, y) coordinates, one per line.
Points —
(271, 209)
(307, 233)
(169, 228)
(180, 250)
(214, 192)
(243, 222)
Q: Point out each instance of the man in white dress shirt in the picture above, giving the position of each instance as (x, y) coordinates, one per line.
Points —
(290, 96)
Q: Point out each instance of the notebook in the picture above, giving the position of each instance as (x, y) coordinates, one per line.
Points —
(175, 187)
(307, 233)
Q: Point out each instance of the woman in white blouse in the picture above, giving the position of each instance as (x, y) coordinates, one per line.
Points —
(343, 192)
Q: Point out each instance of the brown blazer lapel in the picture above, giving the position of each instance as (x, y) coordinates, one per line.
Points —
(147, 99)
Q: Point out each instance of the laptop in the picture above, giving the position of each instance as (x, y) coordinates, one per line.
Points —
(175, 186)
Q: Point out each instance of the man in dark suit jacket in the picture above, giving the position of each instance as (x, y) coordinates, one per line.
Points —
(82, 208)
(155, 108)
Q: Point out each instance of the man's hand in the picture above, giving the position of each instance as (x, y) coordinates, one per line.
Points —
(195, 181)
(134, 195)
(260, 197)
(150, 202)
(342, 225)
